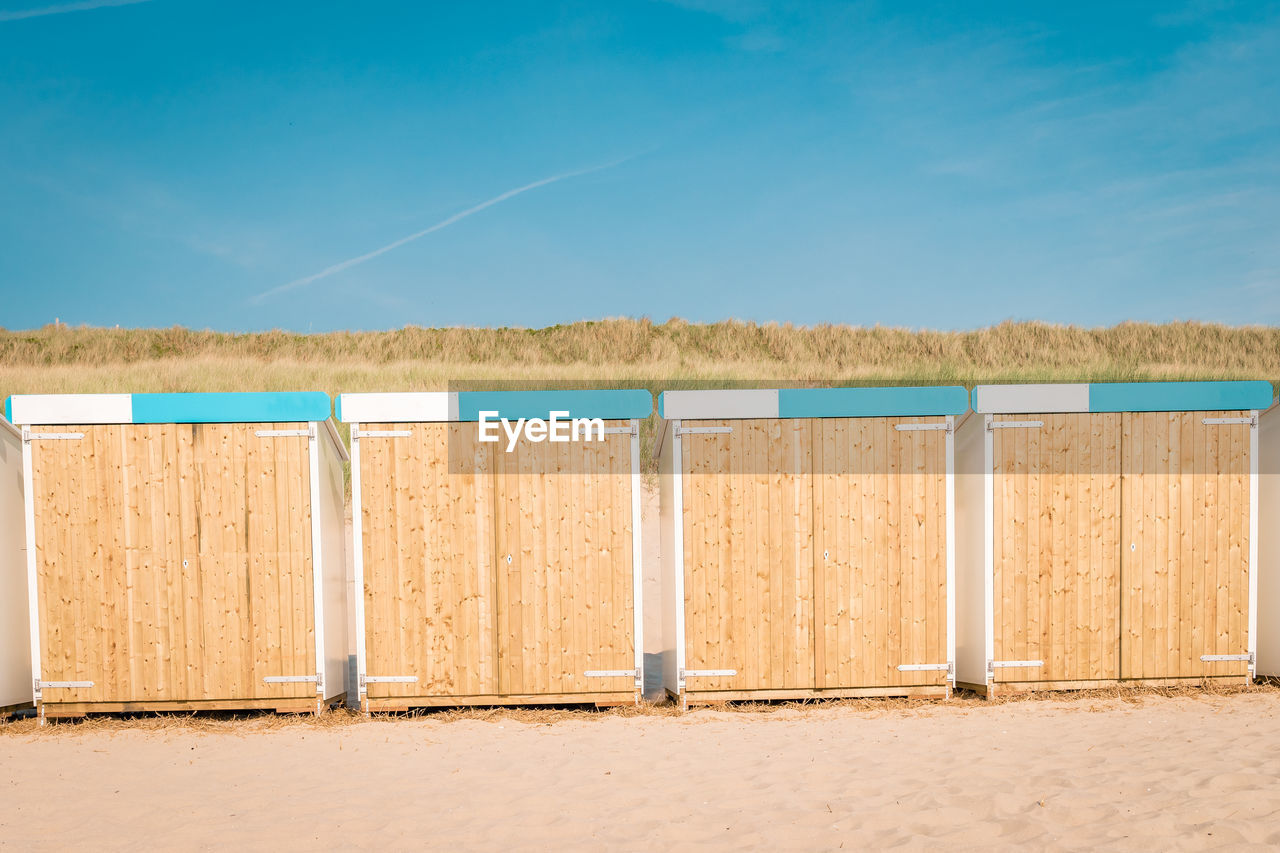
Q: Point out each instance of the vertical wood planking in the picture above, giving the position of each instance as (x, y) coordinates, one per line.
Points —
(881, 512)
(750, 554)
(567, 523)
(1187, 515)
(144, 551)
(1056, 550)
(428, 519)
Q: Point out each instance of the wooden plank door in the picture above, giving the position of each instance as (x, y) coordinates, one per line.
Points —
(250, 494)
(85, 591)
(1186, 544)
(748, 554)
(563, 554)
(880, 553)
(1057, 560)
(173, 562)
(427, 543)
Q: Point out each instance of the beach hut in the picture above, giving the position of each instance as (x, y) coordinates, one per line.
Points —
(15, 659)
(1269, 543)
(1108, 533)
(184, 551)
(808, 542)
(497, 546)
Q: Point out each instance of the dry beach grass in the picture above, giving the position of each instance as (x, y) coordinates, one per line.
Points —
(1090, 700)
(59, 358)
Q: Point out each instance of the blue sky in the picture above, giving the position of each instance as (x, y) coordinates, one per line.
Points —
(228, 165)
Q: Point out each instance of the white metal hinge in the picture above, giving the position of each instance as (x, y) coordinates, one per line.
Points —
(46, 685)
(1215, 658)
(922, 427)
(387, 679)
(357, 434)
(28, 435)
(993, 665)
(702, 430)
(621, 430)
(923, 667)
(682, 674)
(291, 679)
(1015, 424)
(1251, 421)
(611, 673)
(706, 673)
(284, 433)
(636, 673)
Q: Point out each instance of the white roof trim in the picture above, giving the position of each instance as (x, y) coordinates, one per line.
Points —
(694, 405)
(398, 407)
(72, 408)
(1031, 399)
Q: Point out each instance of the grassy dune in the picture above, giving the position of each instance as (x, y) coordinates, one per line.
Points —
(671, 354)
(631, 353)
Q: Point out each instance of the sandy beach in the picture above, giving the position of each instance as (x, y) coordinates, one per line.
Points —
(1183, 772)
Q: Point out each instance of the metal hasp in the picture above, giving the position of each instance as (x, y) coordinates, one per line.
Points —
(1251, 421)
(388, 679)
(922, 427)
(923, 667)
(291, 679)
(46, 685)
(631, 430)
(1214, 658)
(1014, 424)
(284, 433)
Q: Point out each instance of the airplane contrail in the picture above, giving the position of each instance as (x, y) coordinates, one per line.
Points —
(65, 7)
(444, 223)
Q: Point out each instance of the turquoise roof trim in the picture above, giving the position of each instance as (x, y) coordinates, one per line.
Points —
(513, 405)
(231, 407)
(872, 402)
(1179, 396)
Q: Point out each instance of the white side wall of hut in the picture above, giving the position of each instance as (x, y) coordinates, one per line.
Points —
(15, 635)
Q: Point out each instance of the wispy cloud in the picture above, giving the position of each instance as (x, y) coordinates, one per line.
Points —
(444, 223)
(63, 8)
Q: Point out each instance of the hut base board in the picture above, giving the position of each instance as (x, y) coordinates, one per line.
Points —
(281, 706)
(407, 703)
(11, 709)
(990, 691)
(712, 697)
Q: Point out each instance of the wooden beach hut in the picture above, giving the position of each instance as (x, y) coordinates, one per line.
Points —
(1108, 533)
(808, 542)
(503, 571)
(185, 551)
